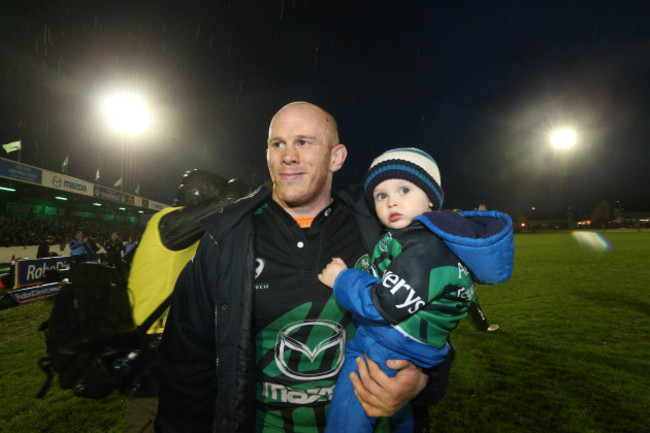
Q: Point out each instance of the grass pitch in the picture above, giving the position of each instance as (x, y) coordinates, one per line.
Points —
(573, 350)
(572, 353)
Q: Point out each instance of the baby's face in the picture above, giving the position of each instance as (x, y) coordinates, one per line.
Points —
(398, 201)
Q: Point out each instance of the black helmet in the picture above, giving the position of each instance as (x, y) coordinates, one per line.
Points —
(198, 186)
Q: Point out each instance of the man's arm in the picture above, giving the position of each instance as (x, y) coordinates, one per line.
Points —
(181, 228)
(381, 395)
(187, 352)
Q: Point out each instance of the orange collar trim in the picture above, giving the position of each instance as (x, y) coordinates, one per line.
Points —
(304, 223)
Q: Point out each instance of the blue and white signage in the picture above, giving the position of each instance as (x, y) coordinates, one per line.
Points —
(66, 183)
(30, 272)
(25, 173)
(27, 294)
(50, 179)
(109, 194)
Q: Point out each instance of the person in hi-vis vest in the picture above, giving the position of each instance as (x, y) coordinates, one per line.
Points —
(168, 243)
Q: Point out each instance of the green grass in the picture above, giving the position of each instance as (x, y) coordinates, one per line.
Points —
(572, 353)
(573, 350)
(21, 346)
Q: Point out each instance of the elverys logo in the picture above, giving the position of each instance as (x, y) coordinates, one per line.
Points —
(56, 181)
(320, 345)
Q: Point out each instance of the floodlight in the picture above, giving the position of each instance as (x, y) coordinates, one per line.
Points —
(563, 138)
(127, 113)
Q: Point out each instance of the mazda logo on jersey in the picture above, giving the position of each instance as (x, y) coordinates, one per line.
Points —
(320, 344)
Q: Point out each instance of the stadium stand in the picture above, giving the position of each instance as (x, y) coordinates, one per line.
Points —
(35, 203)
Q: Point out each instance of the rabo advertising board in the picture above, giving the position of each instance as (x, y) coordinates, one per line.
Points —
(30, 272)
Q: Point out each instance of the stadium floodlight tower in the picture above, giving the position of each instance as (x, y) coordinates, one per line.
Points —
(127, 112)
(563, 140)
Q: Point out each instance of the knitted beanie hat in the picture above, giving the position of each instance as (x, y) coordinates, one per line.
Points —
(407, 163)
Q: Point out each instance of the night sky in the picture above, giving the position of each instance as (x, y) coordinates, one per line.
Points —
(477, 84)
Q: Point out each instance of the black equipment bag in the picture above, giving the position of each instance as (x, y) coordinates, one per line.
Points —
(90, 327)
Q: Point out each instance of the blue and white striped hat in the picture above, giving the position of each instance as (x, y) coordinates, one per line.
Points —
(407, 163)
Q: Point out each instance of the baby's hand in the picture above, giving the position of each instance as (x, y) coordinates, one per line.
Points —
(332, 271)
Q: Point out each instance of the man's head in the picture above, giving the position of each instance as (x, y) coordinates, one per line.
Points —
(114, 236)
(79, 235)
(50, 239)
(403, 183)
(302, 155)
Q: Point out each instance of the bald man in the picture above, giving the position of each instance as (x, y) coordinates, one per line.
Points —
(253, 341)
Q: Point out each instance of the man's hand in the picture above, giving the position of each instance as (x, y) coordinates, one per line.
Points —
(381, 395)
(331, 271)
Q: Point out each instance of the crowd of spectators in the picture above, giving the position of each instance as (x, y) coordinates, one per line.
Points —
(25, 231)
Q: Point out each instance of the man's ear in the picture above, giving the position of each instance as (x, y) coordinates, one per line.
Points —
(337, 157)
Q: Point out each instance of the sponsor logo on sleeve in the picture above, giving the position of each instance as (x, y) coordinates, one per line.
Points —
(398, 285)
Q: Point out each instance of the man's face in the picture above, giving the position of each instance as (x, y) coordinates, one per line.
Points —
(398, 201)
(299, 157)
(114, 236)
(79, 236)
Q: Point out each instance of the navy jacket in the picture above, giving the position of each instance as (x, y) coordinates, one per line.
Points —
(208, 343)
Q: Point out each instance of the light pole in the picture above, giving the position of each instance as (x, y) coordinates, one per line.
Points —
(129, 115)
(563, 140)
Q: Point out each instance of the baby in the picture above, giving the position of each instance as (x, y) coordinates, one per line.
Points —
(423, 278)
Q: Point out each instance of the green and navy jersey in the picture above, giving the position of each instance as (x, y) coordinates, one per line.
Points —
(300, 329)
(425, 289)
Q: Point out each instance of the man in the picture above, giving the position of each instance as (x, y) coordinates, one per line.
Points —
(253, 341)
(114, 248)
(77, 250)
(91, 249)
(168, 243)
(44, 248)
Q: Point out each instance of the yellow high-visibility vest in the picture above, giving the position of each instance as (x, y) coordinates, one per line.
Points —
(154, 272)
